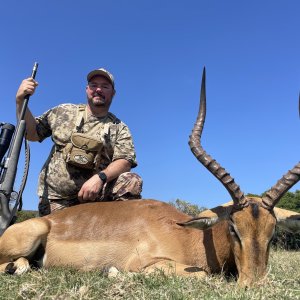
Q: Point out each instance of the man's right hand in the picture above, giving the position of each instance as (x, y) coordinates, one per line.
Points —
(27, 87)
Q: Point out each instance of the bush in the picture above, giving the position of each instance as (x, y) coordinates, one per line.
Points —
(187, 208)
(282, 238)
(25, 215)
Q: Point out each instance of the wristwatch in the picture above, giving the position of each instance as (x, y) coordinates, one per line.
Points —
(102, 176)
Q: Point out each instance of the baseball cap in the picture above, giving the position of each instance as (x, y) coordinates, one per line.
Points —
(102, 72)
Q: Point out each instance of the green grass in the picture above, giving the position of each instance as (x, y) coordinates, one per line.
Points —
(283, 283)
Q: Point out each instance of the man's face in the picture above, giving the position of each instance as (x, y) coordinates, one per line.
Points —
(99, 92)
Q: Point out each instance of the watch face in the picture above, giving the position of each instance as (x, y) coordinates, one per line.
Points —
(103, 177)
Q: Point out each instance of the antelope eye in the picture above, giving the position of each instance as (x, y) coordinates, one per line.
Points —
(233, 232)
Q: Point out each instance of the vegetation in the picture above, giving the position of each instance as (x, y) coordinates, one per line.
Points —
(188, 208)
(284, 239)
(25, 215)
(290, 201)
(283, 282)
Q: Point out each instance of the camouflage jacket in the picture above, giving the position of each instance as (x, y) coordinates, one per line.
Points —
(59, 180)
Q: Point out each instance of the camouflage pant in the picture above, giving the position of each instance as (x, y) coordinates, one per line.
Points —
(127, 186)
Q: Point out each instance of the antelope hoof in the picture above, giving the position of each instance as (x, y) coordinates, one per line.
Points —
(10, 269)
(18, 267)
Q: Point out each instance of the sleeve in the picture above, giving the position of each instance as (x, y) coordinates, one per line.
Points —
(124, 147)
(43, 126)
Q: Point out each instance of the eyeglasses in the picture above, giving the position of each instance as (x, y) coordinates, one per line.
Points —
(94, 86)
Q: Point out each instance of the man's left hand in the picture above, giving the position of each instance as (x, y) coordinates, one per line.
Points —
(90, 189)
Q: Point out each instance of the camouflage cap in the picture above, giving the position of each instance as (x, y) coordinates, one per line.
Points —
(102, 72)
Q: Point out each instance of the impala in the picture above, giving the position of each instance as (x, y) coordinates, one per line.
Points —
(145, 235)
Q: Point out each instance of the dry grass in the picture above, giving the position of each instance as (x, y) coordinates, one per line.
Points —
(283, 283)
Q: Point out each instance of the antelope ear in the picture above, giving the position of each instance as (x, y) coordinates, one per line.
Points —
(200, 223)
(287, 219)
(209, 217)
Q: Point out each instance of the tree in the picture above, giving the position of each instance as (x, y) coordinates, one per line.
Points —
(187, 208)
(290, 201)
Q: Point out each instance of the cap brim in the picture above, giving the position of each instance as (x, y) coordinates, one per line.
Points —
(98, 73)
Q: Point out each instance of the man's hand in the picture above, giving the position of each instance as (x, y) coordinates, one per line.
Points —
(90, 189)
(27, 87)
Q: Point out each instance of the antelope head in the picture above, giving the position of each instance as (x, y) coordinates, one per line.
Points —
(251, 221)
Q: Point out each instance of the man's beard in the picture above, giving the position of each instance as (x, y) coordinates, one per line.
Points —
(100, 101)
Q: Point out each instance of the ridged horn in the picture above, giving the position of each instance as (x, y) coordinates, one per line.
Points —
(212, 165)
(273, 196)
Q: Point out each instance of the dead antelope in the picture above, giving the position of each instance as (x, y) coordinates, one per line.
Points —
(145, 235)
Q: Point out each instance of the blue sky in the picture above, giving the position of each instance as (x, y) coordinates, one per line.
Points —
(156, 51)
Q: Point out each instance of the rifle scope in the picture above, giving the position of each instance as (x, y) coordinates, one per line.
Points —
(6, 134)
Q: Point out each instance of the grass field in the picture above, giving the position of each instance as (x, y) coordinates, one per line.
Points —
(283, 283)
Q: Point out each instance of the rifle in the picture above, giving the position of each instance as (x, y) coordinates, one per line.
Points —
(8, 168)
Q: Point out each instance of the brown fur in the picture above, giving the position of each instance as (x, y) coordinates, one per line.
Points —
(141, 235)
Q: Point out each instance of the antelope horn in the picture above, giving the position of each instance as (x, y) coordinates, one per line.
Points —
(273, 196)
(212, 165)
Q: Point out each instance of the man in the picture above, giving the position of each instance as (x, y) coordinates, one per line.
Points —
(93, 151)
